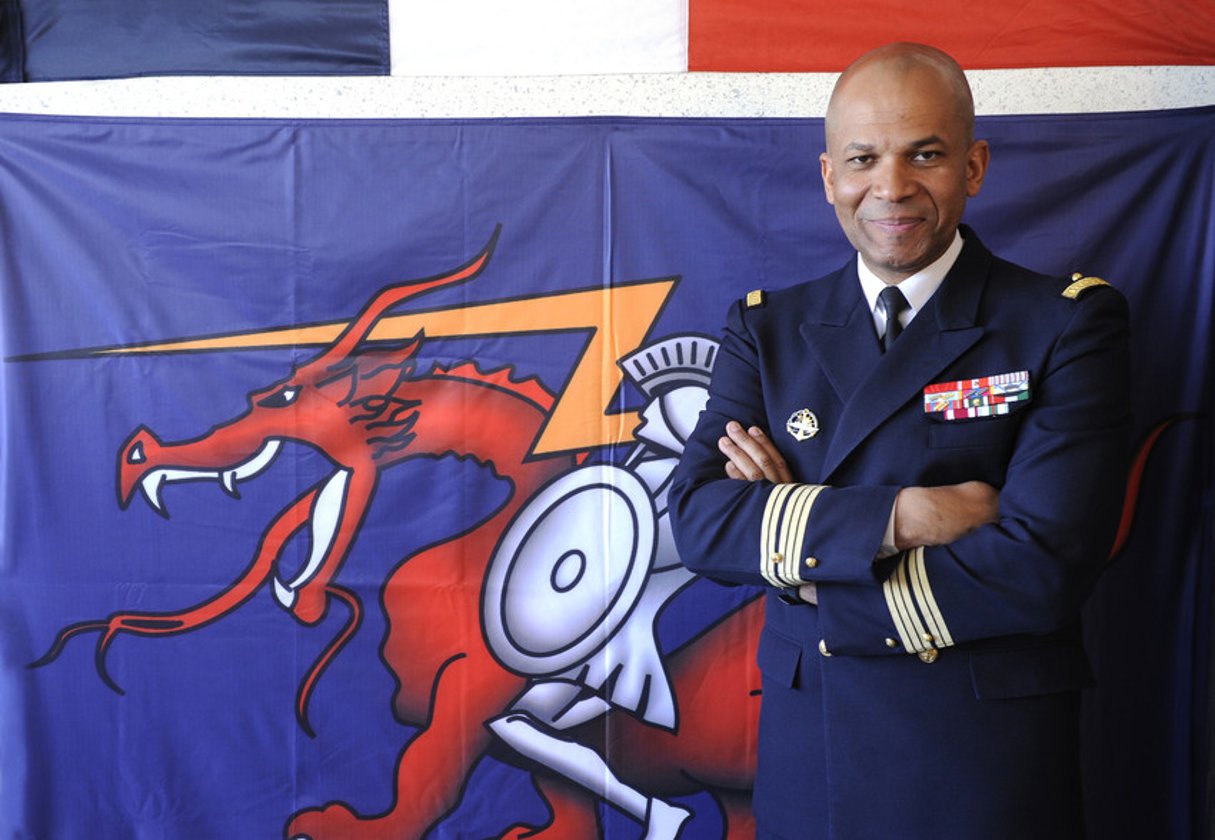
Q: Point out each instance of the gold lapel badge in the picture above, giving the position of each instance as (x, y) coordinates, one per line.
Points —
(802, 424)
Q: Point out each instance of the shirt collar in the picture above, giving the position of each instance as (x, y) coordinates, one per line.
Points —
(917, 288)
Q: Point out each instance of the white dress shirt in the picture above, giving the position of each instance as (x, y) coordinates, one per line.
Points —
(918, 289)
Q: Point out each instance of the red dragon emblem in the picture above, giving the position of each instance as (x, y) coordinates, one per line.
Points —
(364, 407)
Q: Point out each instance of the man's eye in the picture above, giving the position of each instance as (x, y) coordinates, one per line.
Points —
(281, 398)
(926, 154)
(860, 160)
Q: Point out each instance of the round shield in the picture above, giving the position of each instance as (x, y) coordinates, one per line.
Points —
(569, 570)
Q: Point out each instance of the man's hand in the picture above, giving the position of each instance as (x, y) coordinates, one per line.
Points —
(940, 515)
(752, 455)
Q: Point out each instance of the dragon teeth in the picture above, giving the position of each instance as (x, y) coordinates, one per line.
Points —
(151, 486)
(326, 516)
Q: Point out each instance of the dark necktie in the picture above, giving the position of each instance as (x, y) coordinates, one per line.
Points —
(893, 303)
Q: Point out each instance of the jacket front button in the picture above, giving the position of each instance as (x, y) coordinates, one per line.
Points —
(822, 647)
(929, 656)
(890, 643)
(811, 562)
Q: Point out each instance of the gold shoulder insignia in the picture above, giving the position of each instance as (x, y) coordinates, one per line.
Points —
(756, 298)
(1081, 284)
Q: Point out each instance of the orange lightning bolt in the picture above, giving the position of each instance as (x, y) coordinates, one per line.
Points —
(616, 320)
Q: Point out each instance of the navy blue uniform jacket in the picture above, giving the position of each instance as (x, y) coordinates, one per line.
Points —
(932, 694)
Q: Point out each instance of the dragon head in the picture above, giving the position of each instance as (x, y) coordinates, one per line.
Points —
(354, 413)
(350, 403)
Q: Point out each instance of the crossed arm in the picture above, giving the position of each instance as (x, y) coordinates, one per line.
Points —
(970, 575)
(923, 516)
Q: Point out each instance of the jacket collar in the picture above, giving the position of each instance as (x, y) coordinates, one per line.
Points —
(872, 386)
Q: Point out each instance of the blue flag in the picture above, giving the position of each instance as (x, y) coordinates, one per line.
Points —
(334, 460)
(53, 40)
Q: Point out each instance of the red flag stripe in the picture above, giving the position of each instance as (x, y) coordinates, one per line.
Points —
(812, 35)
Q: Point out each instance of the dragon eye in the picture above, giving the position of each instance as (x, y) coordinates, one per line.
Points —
(281, 398)
(135, 455)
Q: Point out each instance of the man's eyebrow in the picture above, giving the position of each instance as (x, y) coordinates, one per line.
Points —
(930, 140)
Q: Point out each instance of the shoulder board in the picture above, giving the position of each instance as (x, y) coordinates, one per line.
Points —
(1080, 284)
(756, 298)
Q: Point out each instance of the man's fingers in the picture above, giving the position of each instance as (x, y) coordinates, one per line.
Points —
(754, 454)
(738, 461)
(771, 463)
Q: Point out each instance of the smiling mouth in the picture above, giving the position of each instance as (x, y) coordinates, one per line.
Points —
(895, 226)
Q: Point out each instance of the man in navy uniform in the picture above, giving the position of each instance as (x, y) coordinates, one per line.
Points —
(937, 492)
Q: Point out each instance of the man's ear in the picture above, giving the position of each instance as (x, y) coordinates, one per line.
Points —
(977, 159)
(828, 188)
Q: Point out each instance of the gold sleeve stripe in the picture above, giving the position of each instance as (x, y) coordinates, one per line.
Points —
(916, 625)
(795, 531)
(896, 613)
(927, 601)
(782, 531)
(896, 599)
(790, 513)
(901, 603)
(767, 532)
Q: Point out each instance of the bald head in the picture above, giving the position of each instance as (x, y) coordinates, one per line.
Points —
(901, 157)
(905, 63)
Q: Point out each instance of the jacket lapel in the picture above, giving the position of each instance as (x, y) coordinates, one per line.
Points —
(873, 385)
(839, 329)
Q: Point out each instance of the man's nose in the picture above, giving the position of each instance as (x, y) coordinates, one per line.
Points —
(893, 181)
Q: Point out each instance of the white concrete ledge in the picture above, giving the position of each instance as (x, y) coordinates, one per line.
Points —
(1033, 91)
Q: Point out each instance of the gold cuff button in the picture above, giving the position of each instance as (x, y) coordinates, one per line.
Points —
(929, 656)
(811, 562)
(777, 557)
(891, 643)
(822, 647)
(927, 637)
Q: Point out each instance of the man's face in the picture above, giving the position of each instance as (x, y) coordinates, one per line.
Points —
(899, 166)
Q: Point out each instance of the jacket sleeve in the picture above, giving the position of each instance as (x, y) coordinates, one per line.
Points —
(740, 532)
(1030, 571)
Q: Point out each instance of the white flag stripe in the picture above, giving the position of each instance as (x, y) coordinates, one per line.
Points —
(537, 37)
